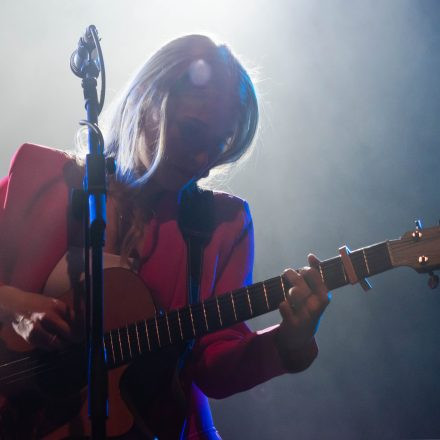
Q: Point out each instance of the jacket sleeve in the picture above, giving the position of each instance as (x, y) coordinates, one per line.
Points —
(3, 190)
(236, 359)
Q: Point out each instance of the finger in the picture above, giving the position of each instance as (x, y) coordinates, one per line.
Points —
(314, 276)
(75, 331)
(298, 296)
(293, 277)
(54, 324)
(295, 318)
(41, 338)
(313, 279)
(64, 310)
(317, 304)
(288, 314)
(313, 261)
(296, 282)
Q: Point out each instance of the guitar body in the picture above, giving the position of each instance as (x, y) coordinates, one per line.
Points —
(144, 397)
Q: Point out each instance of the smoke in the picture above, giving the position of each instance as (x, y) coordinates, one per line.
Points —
(348, 153)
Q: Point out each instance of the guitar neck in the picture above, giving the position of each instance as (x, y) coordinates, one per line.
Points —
(125, 344)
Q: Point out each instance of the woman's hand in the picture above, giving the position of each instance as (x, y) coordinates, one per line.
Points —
(41, 321)
(306, 301)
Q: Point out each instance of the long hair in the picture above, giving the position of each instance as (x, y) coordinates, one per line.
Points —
(135, 126)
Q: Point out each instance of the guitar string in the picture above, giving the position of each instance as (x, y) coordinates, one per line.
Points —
(33, 366)
(29, 359)
(241, 303)
(40, 367)
(32, 362)
(332, 263)
(240, 296)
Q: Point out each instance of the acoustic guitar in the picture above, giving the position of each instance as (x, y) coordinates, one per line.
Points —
(137, 338)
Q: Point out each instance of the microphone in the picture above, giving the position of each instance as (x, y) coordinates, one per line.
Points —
(82, 56)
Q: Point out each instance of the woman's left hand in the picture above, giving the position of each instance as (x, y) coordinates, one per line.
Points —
(306, 301)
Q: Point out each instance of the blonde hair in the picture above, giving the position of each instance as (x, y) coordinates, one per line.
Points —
(134, 127)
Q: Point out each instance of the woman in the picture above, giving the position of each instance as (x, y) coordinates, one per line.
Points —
(190, 109)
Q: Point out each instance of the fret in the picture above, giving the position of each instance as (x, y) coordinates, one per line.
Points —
(283, 287)
(204, 314)
(171, 324)
(180, 325)
(113, 348)
(366, 261)
(390, 255)
(211, 308)
(186, 323)
(120, 345)
(275, 293)
(338, 270)
(106, 349)
(192, 320)
(226, 304)
(218, 311)
(242, 304)
(249, 301)
(143, 339)
(378, 258)
(198, 310)
(233, 306)
(147, 334)
(137, 337)
(129, 343)
(265, 296)
(157, 332)
(168, 327)
(359, 259)
(258, 299)
(333, 273)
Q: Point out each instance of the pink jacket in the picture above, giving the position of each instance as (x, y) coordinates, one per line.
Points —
(34, 236)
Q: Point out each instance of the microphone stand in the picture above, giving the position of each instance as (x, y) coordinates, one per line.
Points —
(84, 64)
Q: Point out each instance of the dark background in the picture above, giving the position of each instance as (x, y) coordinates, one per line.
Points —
(348, 152)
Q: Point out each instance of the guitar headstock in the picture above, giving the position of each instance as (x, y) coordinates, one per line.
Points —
(419, 249)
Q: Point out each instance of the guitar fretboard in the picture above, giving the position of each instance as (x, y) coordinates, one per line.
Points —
(125, 344)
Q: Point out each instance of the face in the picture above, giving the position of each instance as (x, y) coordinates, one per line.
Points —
(199, 122)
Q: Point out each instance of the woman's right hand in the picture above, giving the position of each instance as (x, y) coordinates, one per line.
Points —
(41, 321)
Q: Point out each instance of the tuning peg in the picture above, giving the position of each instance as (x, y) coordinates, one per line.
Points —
(417, 233)
(433, 281)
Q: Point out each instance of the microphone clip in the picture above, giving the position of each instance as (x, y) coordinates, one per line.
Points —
(84, 61)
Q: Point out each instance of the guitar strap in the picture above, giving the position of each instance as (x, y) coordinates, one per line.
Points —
(196, 222)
